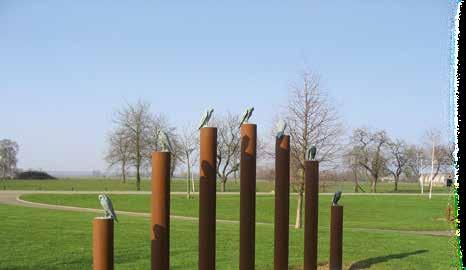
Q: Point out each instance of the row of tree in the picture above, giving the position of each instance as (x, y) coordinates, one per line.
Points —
(311, 119)
(379, 155)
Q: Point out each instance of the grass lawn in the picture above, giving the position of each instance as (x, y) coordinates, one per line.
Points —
(178, 184)
(381, 212)
(50, 240)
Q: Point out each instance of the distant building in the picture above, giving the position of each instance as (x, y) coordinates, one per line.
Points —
(439, 180)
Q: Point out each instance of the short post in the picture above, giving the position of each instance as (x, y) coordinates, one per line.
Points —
(102, 243)
(311, 177)
(207, 200)
(336, 237)
(160, 211)
(247, 196)
(282, 202)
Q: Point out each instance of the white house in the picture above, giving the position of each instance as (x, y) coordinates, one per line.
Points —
(439, 180)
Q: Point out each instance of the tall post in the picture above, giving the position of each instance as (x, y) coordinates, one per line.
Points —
(247, 196)
(311, 175)
(160, 211)
(282, 202)
(207, 193)
(102, 243)
(336, 237)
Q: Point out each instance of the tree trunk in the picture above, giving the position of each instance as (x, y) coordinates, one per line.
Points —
(123, 172)
(421, 182)
(430, 187)
(138, 179)
(223, 182)
(373, 184)
(356, 184)
(432, 169)
(192, 181)
(396, 183)
(299, 210)
(188, 176)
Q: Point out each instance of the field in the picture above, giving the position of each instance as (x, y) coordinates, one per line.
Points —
(178, 184)
(379, 212)
(381, 231)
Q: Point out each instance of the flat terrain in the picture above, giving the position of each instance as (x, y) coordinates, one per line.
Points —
(51, 239)
(372, 211)
(382, 231)
(178, 184)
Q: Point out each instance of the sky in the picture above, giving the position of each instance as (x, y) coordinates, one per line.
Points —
(66, 66)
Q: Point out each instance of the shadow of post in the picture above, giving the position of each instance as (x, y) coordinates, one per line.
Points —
(367, 263)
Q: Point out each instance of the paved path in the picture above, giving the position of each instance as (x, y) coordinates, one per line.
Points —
(13, 198)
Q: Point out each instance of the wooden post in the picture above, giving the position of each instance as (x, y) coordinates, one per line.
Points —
(160, 211)
(282, 202)
(311, 212)
(102, 243)
(336, 237)
(247, 196)
(207, 200)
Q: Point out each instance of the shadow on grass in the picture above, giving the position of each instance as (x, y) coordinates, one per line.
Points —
(367, 263)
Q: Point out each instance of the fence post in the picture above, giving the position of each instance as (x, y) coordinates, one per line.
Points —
(247, 196)
(102, 243)
(336, 237)
(207, 200)
(160, 211)
(282, 202)
(311, 175)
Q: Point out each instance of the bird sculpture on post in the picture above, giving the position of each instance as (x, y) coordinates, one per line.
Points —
(336, 198)
(311, 153)
(247, 114)
(164, 141)
(281, 126)
(108, 207)
(206, 118)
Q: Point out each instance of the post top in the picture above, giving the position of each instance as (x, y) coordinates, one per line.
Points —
(161, 152)
(208, 128)
(103, 218)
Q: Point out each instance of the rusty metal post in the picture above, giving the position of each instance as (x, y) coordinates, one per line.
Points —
(207, 200)
(102, 243)
(160, 211)
(247, 196)
(336, 237)
(282, 202)
(311, 212)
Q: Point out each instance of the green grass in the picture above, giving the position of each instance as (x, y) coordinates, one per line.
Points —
(178, 184)
(111, 184)
(408, 212)
(50, 240)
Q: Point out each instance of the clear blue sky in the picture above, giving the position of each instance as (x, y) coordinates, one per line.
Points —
(65, 66)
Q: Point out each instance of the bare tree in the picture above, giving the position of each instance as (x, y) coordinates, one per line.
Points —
(441, 155)
(352, 161)
(8, 157)
(417, 161)
(398, 159)
(119, 151)
(312, 120)
(142, 128)
(368, 150)
(188, 146)
(137, 122)
(158, 123)
(228, 146)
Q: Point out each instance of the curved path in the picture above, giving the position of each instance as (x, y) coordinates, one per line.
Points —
(13, 198)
